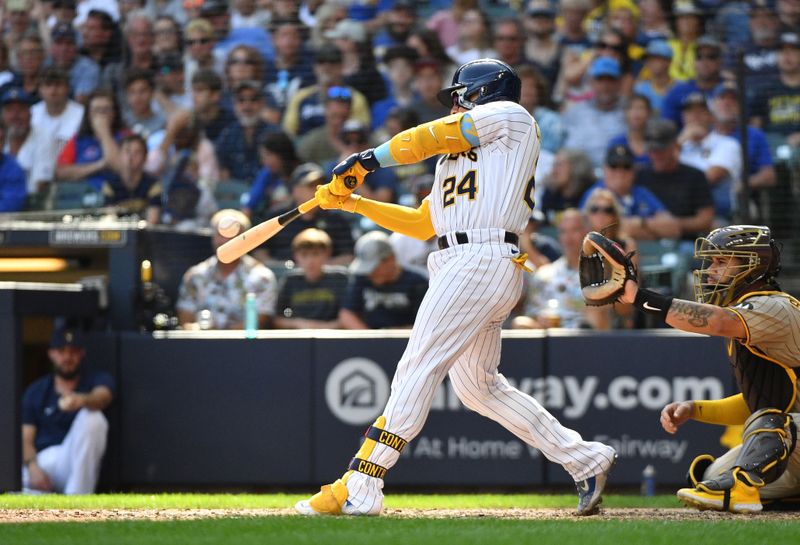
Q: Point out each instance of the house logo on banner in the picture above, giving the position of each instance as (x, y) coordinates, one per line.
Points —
(356, 391)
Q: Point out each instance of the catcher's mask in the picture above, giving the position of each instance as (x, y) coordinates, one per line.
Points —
(750, 254)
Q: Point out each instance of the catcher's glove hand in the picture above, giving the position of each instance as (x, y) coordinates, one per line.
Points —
(604, 269)
(350, 173)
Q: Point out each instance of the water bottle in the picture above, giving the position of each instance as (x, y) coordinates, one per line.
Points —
(649, 481)
(250, 316)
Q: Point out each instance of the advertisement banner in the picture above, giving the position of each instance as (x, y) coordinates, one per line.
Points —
(456, 446)
(613, 387)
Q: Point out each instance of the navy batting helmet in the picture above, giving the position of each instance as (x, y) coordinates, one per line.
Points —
(753, 257)
(480, 82)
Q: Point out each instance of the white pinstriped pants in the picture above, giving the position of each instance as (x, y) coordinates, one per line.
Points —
(472, 290)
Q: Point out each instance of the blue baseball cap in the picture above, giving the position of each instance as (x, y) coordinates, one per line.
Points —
(605, 66)
(66, 336)
(16, 94)
(659, 48)
(725, 87)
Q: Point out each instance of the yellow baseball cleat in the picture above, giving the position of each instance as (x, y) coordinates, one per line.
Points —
(741, 497)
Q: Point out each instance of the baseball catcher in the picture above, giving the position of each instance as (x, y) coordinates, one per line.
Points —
(737, 297)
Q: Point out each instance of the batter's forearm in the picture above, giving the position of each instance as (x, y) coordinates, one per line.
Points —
(412, 222)
(704, 318)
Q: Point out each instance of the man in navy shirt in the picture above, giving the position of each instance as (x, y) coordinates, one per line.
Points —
(381, 294)
(13, 189)
(63, 428)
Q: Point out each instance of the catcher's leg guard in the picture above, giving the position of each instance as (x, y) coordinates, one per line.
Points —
(332, 499)
(698, 468)
(769, 438)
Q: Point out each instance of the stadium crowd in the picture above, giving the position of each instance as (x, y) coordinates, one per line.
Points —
(176, 109)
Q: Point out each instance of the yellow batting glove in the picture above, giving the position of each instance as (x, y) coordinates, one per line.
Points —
(328, 200)
(350, 173)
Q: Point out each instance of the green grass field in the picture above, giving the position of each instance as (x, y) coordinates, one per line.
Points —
(663, 526)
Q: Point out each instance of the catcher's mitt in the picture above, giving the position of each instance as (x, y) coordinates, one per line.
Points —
(604, 269)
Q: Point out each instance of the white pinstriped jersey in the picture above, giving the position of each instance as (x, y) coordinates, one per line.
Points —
(490, 185)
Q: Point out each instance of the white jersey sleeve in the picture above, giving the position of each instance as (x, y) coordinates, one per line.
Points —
(501, 124)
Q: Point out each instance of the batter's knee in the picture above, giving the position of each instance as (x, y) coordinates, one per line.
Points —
(473, 393)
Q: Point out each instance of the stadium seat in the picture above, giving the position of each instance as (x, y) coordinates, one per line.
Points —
(231, 194)
(73, 195)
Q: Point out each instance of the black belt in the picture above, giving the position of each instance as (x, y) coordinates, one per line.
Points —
(462, 238)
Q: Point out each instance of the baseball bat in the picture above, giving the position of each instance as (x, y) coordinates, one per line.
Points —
(257, 235)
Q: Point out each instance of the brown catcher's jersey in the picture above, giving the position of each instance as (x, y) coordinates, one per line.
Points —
(764, 362)
(491, 185)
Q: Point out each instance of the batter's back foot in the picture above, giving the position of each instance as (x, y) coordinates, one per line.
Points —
(590, 491)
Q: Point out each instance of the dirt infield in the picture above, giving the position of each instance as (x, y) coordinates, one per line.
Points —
(98, 515)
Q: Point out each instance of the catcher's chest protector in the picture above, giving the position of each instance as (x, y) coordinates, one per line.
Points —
(764, 383)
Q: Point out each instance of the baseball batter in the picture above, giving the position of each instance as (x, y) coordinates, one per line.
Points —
(481, 200)
(738, 297)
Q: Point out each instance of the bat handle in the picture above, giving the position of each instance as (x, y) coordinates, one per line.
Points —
(310, 204)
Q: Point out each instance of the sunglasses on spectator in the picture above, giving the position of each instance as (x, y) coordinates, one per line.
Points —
(708, 56)
(621, 167)
(339, 93)
(506, 38)
(198, 41)
(594, 209)
(606, 45)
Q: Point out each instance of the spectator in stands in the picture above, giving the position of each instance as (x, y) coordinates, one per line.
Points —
(248, 14)
(84, 73)
(726, 111)
(689, 27)
(207, 106)
(535, 97)
(400, 21)
(93, 153)
(244, 63)
(199, 41)
(212, 294)
(381, 294)
(637, 113)
(97, 42)
(170, 90)
(322, 145)
(789, 15)
(761, 53)
(139, 39)
(601, 117)
(138, 113)
(445, 22)
(379, 185)
(304, 181)
(683, 189)
(644, 216)
(306, 109)
(13, 189)
(718, 156)
(6, 75)
(653, 23)
(30, 55)
(17, 13)
(64, 431)
(167, 31)
(775, 105)
(216, 12)
(542, 46)
(134, 191)
(474, 38)
(572, 32)
(54, 121)
(571, 176)
(428, 82)
(358, 62)
(508, 39)
(708, 69)
(576, 85)
(603, 213)
(16, 116)
(654, 80)
(428, 47)
(270, 190)
(399, 61)
(291, 69)
(554, 291)
(310, 295)
(237, 144)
